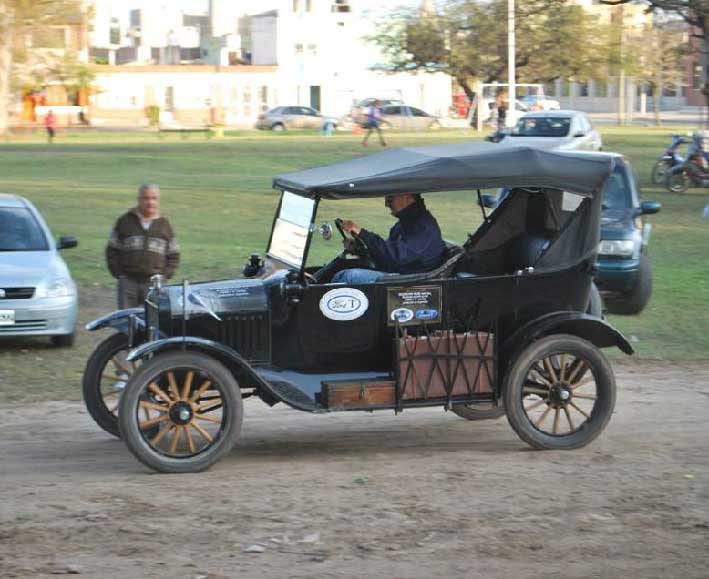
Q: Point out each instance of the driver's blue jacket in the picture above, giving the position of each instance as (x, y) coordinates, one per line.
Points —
(414, 245)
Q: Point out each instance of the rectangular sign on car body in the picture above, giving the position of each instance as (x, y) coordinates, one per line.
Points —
(413, 305)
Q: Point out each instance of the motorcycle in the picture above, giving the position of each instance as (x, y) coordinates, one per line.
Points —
(690, 173)
(669, 159)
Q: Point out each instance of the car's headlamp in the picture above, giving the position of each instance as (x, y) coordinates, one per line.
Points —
(58, 289)
(617, 247)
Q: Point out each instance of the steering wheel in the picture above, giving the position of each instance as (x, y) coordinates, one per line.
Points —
(359, 248)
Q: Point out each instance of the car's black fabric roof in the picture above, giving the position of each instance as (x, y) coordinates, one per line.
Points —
(450, 167)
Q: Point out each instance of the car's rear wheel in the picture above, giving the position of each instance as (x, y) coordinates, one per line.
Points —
(560, 393)
(479, 411)
(634, 301)
(194, 403)
(278, 127)
(106, 374)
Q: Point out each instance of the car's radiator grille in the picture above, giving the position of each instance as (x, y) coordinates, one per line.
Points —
(248, 334)
(17, 293)
(24, 326)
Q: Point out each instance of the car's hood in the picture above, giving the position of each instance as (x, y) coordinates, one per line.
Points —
(30, 268)
(219, 297)
(617, 223)
(538, 142)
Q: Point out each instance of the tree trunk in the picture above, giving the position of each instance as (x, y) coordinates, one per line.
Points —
(470, 94)
(6, 44)
(656, 96)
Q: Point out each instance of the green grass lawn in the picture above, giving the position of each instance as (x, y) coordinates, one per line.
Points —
(218, 195)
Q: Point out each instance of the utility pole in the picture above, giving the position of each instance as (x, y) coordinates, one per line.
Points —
(512, 86)
(621, 80)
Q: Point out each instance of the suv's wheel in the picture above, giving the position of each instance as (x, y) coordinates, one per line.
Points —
(478, 411)
(194, 412)
(634, 301)
(560, 393)
(278, 127)
(104, 380)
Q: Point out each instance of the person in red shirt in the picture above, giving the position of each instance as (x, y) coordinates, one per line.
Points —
(50, 123)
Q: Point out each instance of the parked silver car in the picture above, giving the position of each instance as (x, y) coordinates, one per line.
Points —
(565, 130)
(282, 118)
(404, 117)
(38, 297)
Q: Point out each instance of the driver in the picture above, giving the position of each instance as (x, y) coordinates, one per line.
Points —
(414, 245)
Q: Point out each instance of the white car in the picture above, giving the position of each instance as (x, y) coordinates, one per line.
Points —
(38, 297)
(564, 130)
(539, 102)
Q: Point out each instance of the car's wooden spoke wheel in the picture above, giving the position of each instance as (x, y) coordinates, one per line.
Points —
(182, 410)
(559, 393)
(105, 377)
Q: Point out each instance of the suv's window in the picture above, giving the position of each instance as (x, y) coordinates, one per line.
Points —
(19, 231)
(616, 192)
(542, 127)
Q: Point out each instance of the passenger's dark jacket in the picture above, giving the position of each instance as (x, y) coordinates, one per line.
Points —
(415, 244)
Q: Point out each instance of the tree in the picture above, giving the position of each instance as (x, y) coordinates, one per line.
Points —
(693, 12)
(468, 40)
(20, 21)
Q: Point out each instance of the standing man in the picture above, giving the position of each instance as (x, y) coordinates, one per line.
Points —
(142, 244)
(50, 123)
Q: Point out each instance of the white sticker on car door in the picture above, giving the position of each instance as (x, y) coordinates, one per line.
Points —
(344, 304)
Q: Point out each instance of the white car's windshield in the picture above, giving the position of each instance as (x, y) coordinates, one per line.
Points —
(290, 231)
(543, 127)
(19, 231)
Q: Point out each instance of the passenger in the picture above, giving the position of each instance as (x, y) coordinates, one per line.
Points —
(414, 245)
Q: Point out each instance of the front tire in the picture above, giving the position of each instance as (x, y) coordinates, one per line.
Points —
(195, 412)
(278, 128)
(659, 172)
(636, 300)
(560, 393)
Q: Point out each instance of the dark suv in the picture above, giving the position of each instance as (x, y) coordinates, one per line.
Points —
(624, 274)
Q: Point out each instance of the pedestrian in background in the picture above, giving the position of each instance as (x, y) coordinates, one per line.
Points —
(372, 120)
(501, 103)
(50, 123)
(142, 244)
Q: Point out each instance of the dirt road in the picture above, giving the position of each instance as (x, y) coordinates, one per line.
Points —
(424, 494)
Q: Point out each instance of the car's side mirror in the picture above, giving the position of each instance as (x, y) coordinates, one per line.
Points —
(326, 231)
(649, 207)
(488, 201)
(579, 134)
(67, 242)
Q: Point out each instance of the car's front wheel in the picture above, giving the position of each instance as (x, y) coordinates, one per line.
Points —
(180, 412)
(559, 393)
(634, 301)
(278, 127)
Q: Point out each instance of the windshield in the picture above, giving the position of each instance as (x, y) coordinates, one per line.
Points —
(19, 231)
(289, 238)
(543, 127)
(616, 192)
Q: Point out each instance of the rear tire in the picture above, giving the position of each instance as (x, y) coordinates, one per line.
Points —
(546, 393)
(677, 182)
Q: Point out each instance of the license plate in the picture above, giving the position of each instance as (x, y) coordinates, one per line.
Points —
(7, 317)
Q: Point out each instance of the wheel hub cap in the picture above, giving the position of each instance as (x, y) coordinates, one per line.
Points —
(181, 413)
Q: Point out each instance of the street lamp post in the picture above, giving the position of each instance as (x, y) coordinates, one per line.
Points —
(512, 87)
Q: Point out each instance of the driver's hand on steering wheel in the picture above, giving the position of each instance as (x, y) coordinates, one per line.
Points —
(351, 227)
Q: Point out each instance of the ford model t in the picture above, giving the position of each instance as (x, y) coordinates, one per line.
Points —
(498, 327)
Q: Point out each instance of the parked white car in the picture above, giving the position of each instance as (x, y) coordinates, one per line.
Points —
(565, 130)
(38, 297)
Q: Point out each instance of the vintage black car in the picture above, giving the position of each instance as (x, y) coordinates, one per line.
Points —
(500, 325)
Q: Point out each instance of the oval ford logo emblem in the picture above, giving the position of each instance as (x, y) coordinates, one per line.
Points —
(344, 304)
(426, 314)
(402, 315)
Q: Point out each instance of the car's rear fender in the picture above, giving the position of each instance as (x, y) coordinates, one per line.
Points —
(597, 331)
(118, 320)
(239, 367)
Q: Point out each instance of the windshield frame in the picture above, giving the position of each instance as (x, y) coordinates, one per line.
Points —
(32, 218)
(309, 233)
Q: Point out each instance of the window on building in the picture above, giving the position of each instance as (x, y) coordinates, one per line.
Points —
(341, 6)
(246, 99)
(601, 88)
(550, 88)
(697, 77)
(565, 88)
(263, 98)
(669, 91)
(170, 98)
(114, 31)
(583, 89)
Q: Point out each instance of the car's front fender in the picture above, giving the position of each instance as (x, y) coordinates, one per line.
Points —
(118, 320)
(226, 355)
(597, 331)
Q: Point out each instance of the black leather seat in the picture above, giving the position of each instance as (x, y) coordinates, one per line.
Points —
(523, 251)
